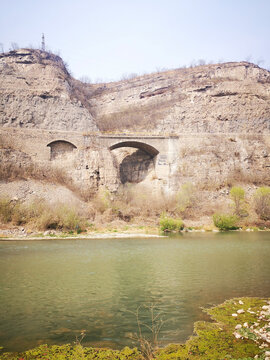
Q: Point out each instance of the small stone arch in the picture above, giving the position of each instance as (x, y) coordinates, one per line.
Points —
(60, 148)
(138, 145)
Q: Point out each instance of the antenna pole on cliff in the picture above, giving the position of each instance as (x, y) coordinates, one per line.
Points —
(43, 43)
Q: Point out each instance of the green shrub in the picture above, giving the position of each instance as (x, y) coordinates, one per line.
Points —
(226, 222)
(168, 224)
(262, 202)
(74, 352)
(237, 195)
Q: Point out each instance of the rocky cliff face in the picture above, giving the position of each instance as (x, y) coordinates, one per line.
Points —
(35, 93)
(221, 114)
(230, 97)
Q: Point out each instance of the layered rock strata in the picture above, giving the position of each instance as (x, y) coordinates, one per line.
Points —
(218, 115)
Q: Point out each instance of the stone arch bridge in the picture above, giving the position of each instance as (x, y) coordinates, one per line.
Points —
(162, 148)
(44, 145)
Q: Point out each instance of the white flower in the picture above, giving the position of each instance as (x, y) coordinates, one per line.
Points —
(238, 336)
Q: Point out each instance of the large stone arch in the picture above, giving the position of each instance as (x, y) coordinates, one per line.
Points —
(135, 166)
(138, 145)
(60, 148)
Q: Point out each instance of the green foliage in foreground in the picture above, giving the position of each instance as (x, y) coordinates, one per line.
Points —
(213, 340)
(226, 222)
(168, 224)
(74, 352)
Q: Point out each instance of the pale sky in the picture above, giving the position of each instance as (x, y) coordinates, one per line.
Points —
(105, 39)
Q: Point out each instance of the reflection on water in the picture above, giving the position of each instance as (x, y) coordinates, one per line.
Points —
(51, 290)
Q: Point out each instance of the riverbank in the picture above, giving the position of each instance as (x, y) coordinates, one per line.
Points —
(122, 213)
(240, 329)
(112, 234)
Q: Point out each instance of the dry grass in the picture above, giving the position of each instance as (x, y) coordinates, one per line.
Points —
(131, 204)
(8, 142)
(238, 176)
(128, 119)
(82, 92)
(10, 171)
(40, 215)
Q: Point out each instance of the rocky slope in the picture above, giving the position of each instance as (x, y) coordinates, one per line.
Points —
(35, 93)
(222, 98)
(220, 113)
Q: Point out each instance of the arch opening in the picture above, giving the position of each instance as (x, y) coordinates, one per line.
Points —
(136, 160)
(60, 148)
(138, 145)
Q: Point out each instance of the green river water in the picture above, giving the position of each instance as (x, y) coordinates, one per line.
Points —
(50, 290)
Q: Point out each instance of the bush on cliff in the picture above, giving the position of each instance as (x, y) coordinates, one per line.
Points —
(237, 194)
(262, 202)
(168, 224)
(226, 222)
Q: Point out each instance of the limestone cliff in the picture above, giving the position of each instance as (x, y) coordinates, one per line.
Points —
(222, 98)
(212, 121)
(35, 92)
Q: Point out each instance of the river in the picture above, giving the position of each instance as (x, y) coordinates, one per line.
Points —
(50, 290)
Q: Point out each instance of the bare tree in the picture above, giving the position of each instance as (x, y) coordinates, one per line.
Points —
(85, 79)
(148, 345)
(260, 62)
(128, 76)
(248, 58)
(1, 48)
(43, 43)
(14, 46)
(201, 62)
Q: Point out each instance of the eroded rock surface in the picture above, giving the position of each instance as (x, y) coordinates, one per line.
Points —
(35, 93)
(222, 98)
(219, 113)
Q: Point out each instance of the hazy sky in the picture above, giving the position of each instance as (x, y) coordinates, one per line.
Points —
(104, 39)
